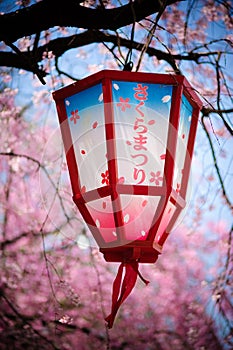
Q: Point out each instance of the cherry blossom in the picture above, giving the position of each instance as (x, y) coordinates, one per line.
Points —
(105, 177)
(124, 103)
(155, 177)
(75, 116)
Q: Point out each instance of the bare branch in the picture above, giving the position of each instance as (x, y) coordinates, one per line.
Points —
(216, 165)
(25, 320)
(61, 45)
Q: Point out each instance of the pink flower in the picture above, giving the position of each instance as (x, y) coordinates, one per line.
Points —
(105, 178)
(155, 177)
(75, 116)
(123, 104)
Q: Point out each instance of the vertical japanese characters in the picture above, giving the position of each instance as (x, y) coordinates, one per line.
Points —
(140, 139)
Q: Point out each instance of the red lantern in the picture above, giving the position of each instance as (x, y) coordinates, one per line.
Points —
(129, 141)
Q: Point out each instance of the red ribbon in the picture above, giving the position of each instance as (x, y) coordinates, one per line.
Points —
(121, 292)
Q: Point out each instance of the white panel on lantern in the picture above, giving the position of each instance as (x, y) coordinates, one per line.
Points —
(102, 214)
(85, 111)
(167, 216)
(141, 115)
(182, 141)
(138, 213)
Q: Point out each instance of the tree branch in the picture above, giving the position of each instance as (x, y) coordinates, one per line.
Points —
(61, 45)
(225, 196)
(25, 320)
(50, 13)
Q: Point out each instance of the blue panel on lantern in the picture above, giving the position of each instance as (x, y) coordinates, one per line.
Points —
(183, 135)
(89, 97)
(141, 115)
(85, 112)
(154, 96)
(185, 118)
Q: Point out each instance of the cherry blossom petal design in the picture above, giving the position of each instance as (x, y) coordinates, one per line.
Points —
(152, 174)
(166, 98)
(151, 122)
(94, 125)
(124, 103)
(156, 178)
(97, 222)
(126, 218)
(105, 178)
(162, 156)
(75, 116)
(116, 86)
(101, 97)
(121, 180)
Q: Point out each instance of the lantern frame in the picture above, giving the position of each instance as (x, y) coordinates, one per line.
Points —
(144, 251)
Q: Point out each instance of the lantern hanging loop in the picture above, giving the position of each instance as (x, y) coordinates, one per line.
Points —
(128, 66)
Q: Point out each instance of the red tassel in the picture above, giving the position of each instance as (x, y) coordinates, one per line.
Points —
(131, 272)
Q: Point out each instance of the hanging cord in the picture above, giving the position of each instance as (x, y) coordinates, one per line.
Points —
(151, 33)
(122, 289)
(128, 66)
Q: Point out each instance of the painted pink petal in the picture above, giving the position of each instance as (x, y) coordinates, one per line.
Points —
(163, 156)
(121, 180)
(151, 122)
(144, 203)
(94, 125)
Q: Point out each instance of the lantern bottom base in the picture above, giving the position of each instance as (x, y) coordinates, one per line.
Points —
(127, 254)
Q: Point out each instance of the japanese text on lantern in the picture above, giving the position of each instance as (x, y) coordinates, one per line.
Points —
(140, 139)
